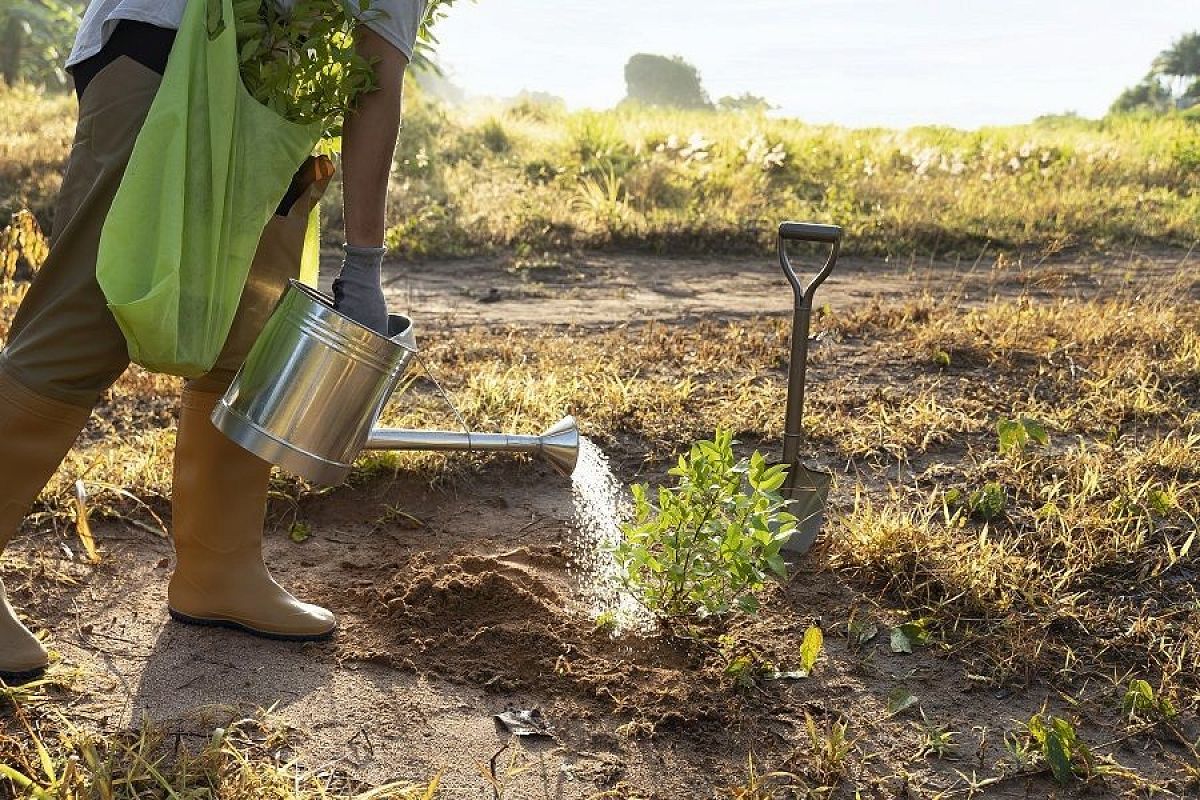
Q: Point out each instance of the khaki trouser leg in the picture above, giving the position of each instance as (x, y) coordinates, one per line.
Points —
(64, 348)
(64, 343)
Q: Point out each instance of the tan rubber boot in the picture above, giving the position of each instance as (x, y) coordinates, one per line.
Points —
(21, 654)
(218, 506)
(35, 434)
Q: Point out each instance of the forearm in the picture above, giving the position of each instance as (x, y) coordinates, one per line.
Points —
(369, 142)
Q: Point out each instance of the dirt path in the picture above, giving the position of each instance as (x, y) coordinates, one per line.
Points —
(456, 604)
(610, 289)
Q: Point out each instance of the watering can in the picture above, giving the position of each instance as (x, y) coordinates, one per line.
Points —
(806, 487)
(314, 384)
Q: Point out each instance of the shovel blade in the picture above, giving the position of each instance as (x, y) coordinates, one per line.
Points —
(808, 489)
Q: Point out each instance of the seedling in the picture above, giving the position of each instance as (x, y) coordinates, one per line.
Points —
(1141, 701)
(1059, 746)
(910, 635)
(1015, 435)
(936, 740)
(704, 546)
(987, 502)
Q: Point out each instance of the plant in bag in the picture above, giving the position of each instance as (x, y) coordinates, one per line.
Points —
(300, 61)
(705, 545)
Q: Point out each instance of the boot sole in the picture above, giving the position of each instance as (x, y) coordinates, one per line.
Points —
(207, 622)
(18, 678)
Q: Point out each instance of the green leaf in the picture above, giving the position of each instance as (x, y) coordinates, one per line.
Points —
(989, 502)
(1015, 434)
(1037, 729)
(862, 631)
(899, 700)
(300, 531)
(1057, 756)
(1139, 697)
(909, 635)
(1036, 431)
(1011, 434)
(810, 649)
(748, 603)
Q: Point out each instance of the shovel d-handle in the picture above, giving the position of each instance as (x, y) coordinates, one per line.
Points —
(801, 313)
(807, 232)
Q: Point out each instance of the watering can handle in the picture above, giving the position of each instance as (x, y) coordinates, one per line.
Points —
(807, 232)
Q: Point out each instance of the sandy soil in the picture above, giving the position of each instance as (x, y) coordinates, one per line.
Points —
(457, 603)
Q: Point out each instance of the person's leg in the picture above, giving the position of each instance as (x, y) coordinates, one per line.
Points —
(219, 499)
(35, 434)
(64, 348)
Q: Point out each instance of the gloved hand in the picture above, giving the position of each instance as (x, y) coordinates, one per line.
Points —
(357, 292)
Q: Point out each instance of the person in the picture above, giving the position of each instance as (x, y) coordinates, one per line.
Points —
(64, 349)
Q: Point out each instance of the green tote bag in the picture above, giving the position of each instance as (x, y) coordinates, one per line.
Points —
(207, 171)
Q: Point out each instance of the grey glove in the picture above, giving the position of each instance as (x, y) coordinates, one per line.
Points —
(357, 292)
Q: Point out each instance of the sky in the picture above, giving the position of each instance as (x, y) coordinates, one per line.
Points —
(853, 62)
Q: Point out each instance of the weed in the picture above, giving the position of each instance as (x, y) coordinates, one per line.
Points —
(1140, 700)
(829, 750)
(937, 741)
(1054, 741)
(51, 757)
(760, 786)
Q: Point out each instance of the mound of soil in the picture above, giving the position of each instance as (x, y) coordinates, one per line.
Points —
(494, 623)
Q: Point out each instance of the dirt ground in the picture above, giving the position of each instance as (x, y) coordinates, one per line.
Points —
(459, 602)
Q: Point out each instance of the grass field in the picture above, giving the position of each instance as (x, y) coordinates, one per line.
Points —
(535, 180)
(1017, 459)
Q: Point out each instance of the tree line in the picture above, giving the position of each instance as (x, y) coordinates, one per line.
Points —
(1173, 81)
(654, 80)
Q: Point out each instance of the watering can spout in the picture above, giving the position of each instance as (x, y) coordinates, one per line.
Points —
(558, 444)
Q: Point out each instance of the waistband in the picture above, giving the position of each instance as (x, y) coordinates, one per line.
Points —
(147, 44)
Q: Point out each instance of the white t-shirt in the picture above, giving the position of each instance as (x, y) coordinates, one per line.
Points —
(397, 24)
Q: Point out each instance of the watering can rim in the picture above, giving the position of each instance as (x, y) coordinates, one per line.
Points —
(404, 338)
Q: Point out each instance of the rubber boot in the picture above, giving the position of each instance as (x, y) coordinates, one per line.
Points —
(22, 656)
(35, 434)
(219, 504)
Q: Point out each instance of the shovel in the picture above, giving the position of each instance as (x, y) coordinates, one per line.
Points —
(807, 488)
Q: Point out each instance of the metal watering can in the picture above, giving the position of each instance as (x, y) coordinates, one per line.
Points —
(314, 384)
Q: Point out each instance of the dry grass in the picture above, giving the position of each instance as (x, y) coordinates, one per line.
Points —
(1084, 576)
(36, 131)
(45, 755)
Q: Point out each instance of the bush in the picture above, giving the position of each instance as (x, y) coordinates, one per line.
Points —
(705, 546)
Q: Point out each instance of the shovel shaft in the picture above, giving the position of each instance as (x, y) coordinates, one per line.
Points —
(792, 432)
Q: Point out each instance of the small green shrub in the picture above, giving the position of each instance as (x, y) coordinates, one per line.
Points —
(704, 546)
(1059, 746)
(1141, 701)
(495, 137)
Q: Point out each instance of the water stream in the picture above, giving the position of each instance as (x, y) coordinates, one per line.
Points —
(601, 504)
